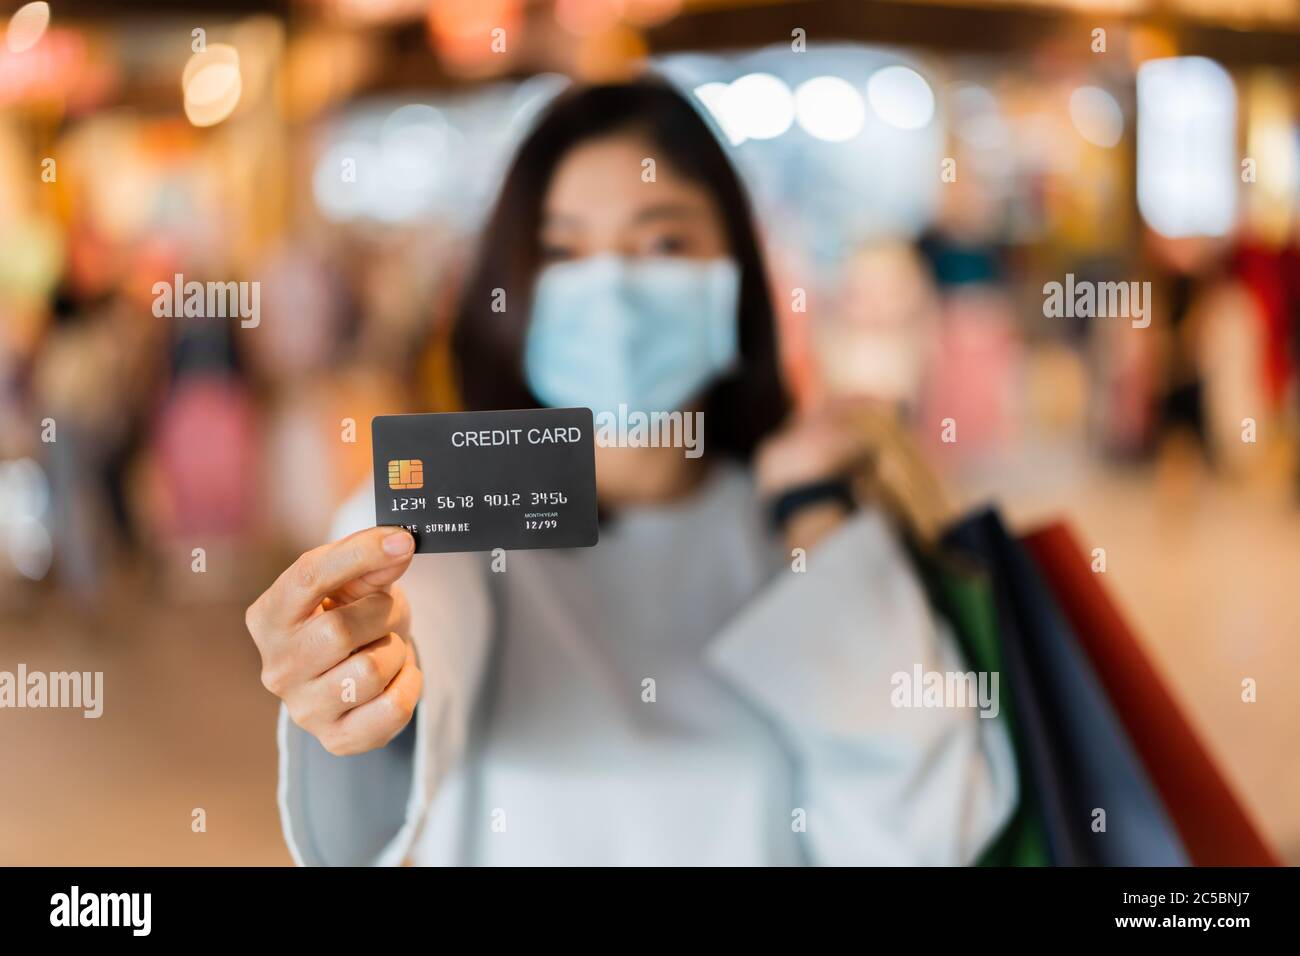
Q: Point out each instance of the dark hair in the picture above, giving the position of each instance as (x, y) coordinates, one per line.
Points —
(488, 346)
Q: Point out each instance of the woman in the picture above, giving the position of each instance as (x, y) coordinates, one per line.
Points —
(692, 690)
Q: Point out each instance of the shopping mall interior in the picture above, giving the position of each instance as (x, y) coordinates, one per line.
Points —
(922, 172)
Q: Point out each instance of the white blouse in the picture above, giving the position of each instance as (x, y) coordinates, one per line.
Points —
(678, 694)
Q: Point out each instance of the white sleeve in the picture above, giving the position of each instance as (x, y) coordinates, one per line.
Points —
(368, 809)
(818, 652)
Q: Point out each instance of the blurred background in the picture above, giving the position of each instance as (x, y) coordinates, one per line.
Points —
(920, 171)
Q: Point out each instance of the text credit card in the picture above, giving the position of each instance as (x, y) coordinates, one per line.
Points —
(477, 481)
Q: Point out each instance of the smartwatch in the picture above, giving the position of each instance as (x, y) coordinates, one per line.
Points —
(799, 497)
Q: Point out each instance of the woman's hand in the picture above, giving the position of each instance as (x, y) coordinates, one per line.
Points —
(828, 442)
(821, 445)
(860, 441)
(332, 631)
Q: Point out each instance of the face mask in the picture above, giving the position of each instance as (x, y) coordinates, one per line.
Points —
(649, 334)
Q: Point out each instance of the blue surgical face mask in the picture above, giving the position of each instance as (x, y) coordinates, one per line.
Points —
(651, 334)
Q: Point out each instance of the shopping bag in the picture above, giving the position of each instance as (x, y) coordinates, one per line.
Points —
(897, 477)
(1215, 827)
(1098, 805)
(960, 591)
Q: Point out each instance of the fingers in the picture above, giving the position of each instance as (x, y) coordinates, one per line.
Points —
(353, 567)
(378, 721)
(384, 577)
(357, 680)
(333, 635)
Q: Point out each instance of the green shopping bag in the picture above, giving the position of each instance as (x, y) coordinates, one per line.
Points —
(961, 592)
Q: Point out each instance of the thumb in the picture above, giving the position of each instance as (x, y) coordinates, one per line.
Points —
(400, 544)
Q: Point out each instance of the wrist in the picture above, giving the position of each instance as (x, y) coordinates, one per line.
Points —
(810, 524)
(805, 513)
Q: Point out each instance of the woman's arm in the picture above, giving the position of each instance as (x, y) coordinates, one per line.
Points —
(368, 808)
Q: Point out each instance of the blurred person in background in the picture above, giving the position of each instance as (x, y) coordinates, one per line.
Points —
(78, 366)
(881, 340)
(94, 376)
(203, 449)
(677, 694)
(1212, 308)
(1180, 267)
(977, 344)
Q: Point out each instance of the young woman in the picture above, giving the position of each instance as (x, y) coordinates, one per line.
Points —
(689, 691)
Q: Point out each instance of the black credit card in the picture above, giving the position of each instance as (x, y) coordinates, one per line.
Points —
(477, 481)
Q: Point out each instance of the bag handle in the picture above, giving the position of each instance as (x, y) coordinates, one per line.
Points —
(895, 475)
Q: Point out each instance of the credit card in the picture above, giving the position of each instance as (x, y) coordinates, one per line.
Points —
(477, 481)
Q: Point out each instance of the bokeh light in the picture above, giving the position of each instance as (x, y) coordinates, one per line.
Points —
(830, 109)
(901, 97)
(1186, 147)
(757, 106)
(1097, 116)
(27, 26)
(710, 94)
(212, 84)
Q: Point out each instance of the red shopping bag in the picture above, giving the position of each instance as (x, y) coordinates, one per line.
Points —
(1215, 827)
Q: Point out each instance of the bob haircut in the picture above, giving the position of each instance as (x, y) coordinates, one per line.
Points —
(488, 346)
